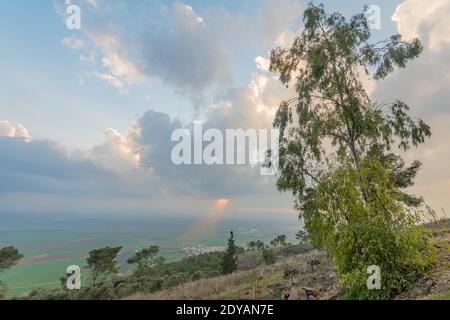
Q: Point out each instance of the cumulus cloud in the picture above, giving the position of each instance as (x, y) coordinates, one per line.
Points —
(263, 64)
(192, 54)
(191, 180)
(38, 165)
(186, 51)
(250, 107)
(425, 19)
(424, 85)
(185, 54)
(46, 168)
(118, 153)
(120, 72)
(8, 129)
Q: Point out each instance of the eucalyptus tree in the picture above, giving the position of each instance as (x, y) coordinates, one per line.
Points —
(339, 150)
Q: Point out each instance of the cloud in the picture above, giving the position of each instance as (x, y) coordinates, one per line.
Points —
(42, 169)
(250, 107)
(118, 153)
(270, 22)
(190, 53)
(263, 64)
(185, 54)
(425, 19)
(278, 19)
(120, 72)
(8, 129)
(73, 43)
(424, 85)
(39, 164)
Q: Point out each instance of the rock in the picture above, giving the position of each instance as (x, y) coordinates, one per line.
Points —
(429, 283)
(297, 293)
(311, 292)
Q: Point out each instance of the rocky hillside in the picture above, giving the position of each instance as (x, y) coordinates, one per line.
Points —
(307, 276)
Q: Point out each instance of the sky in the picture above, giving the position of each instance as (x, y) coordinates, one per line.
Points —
(86, 114)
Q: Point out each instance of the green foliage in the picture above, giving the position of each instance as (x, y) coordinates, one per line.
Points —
(256, 245)
(102, 262)
(3, 290)
(144, 257)
(164, 275)
(229, 262)
(302, 236)
(357, 235)
(279, 241)
(146, 260)
(351, 193)
(268, 256)
(9, 256)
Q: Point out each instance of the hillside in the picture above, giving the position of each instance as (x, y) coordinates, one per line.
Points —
(294, 278)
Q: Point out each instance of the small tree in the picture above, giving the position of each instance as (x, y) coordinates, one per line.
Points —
(279, 241)
(251, 245)
(302, 236)
(144, 258)
(260, 245)
(9, 257)
(229, 262)
(268, 256)
(102, 262)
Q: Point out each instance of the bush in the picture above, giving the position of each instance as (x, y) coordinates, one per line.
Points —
(268, 256)
(384, 233)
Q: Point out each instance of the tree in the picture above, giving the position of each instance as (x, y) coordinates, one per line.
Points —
(302, 236)
(9, 257)
(251, 245)
(268, 256)
(260, 245)
(279, 241)
(229, 261)
(102, 262)
(336, 151)
(144, 257)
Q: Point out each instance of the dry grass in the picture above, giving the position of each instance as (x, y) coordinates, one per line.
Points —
(237, 285)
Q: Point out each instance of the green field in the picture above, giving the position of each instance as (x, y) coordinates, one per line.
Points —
(51, 245)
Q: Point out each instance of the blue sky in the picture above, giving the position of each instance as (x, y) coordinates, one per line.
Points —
(56, 106)
(83, 96)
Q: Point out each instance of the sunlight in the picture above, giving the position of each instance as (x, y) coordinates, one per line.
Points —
(207, 224)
